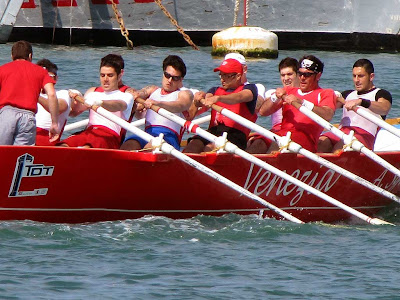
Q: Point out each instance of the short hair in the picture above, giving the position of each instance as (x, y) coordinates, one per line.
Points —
(114, 61)
(48, 65)
(21, 50)
(366, 64)
(289, 62)
(317, 66)
(176, 62)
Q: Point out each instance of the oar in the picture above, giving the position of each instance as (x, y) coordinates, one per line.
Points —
(296, 148)
(76, 125)
(168, 149)
(228, 146)
(349, 140)
(374, 119)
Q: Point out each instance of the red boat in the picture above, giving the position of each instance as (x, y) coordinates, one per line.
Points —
(74, 185)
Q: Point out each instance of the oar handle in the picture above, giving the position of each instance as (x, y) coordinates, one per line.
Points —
(82, 100)
(214, 106)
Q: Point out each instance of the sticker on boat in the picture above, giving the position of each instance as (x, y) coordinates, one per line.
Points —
(25, 167)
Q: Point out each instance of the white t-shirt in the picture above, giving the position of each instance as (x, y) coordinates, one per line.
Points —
(96, 119)
(43, 117)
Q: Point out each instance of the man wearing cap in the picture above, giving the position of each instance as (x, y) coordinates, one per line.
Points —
(233, 95)
(303, 130)
(377, 101)
(260, 88)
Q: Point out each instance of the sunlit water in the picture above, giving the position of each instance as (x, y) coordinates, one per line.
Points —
(230, 257)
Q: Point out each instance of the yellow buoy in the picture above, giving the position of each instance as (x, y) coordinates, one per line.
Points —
(247, 40)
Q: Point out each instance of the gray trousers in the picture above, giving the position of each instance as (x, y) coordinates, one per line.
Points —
(17, 126)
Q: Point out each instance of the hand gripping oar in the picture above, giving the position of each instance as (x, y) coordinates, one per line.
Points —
(349, 140)
(365, 113)
(168, 149)
(228, 146)
(296, 148)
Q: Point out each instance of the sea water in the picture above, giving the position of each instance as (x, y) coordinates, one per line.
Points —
(230, 257)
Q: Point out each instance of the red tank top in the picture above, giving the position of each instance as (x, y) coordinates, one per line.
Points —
(238, 108)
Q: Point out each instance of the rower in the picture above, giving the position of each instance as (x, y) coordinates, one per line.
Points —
(101, 132)
(377, 101)
(43, 117)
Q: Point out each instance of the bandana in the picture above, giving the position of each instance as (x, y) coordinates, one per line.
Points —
(310, 65)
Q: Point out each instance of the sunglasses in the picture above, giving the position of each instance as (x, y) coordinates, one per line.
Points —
(306, 74)
(227, 76)
(174, 78)
(53, 76)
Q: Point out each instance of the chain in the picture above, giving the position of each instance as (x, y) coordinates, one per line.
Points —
(236, 12)
(179, 28)
(121, 23)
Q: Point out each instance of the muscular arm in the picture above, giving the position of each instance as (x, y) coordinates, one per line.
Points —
(62, 104)
(182, 103)
(114, 105)
(242, 96)
(53, 109)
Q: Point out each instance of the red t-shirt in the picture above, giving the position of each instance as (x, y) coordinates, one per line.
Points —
(293, 119)
(20, 84)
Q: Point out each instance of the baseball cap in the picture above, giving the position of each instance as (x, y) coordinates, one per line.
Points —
(230, 66)
(237, 56)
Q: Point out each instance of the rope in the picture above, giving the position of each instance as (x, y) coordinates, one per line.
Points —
(247, 10)
(236, 12)
(121, 23)
(179, 28)
(219, 148)
(284, 146)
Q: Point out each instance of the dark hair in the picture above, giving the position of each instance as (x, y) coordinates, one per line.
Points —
(317, 66)
(289, 62)
(176, 62)
(366, 64)
(21, 50)
(48, 65)
(114, 61)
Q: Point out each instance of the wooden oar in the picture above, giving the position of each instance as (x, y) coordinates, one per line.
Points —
(168, 149)
(349, 140)
(228, 146)
(296, 148)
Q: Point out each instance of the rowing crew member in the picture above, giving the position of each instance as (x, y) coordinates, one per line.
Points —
(235, 96)
(20, 84)
(101, 132)
(303, 130)
(43, 117)
(172, 96)
(377, 101)
(288, 68)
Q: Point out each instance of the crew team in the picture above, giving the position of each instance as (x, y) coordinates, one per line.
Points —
(32, 112)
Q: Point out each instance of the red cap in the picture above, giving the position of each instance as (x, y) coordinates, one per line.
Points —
(230, 66)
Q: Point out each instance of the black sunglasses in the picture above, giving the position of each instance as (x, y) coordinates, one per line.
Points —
(174, 78)
(306, 74)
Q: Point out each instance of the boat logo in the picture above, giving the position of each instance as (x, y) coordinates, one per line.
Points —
(26, 168)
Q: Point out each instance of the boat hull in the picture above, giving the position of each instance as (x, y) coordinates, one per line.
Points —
(64, 185)
(341, 24)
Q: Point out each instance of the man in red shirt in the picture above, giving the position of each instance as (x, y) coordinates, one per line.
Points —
(20, 84)
(304, 131)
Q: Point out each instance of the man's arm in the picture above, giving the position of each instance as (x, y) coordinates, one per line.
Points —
(242, 96)
(62, 104)
(54, 131)
(182, 103)
(323, 111)
(380, 107)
